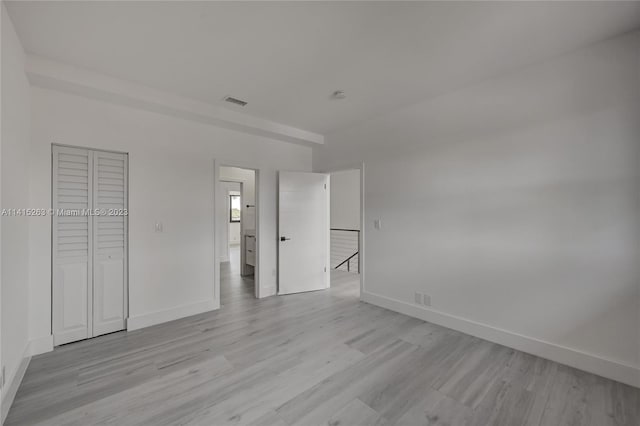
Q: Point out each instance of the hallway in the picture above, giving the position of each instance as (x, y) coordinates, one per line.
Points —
(234, 288)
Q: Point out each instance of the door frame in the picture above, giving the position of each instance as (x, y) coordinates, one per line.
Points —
(220, 219)
(126, 235)
(356, 166)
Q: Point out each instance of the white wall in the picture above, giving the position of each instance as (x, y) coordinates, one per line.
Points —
(171, 179)
(514, 204)
(14, 166)
(345, 199)
(227, 231)
(234, 233)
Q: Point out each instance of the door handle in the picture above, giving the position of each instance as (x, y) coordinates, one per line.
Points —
(284, 239)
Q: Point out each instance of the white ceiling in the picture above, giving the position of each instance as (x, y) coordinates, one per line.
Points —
(286, 59)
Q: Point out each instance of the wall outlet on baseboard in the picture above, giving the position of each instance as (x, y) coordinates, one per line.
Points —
(426, 300)
(422, 299)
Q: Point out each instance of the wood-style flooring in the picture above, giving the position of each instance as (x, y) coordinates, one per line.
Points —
(320, 358)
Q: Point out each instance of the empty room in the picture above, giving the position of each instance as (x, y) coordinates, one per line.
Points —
(307, 213)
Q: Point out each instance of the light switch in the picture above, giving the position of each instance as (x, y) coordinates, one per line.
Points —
(377, 224)
(158, 227)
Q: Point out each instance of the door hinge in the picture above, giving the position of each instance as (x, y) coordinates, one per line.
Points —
(325, 269)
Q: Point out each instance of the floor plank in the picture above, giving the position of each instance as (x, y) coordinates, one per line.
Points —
(357, 413)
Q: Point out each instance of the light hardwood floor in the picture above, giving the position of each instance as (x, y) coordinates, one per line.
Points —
(309, 359)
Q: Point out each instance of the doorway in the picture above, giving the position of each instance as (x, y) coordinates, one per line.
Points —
(346, 239)
(237, 246)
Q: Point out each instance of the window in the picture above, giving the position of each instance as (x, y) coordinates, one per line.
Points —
(234, 208)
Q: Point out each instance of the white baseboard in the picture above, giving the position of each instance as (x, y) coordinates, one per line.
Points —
(268, 292)
(158, 317)
(13, 383)
(40, 345)
(564, 355)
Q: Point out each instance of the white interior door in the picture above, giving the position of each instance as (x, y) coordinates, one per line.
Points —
(303, 223)
(89, 251)
(109, 242)
(71, 251)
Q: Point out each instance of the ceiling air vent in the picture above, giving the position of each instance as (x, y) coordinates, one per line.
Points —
(234, 101)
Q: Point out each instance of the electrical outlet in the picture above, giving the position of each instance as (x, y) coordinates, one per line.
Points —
(422, 299)
(426, 300)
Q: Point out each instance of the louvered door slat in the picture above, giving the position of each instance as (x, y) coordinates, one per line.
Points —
(73, 172)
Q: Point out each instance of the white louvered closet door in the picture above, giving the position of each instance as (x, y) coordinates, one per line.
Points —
(109, 242)
(72, 297)
(89, 251)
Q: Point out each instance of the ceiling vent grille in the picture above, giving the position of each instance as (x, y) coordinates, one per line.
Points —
(235, 101)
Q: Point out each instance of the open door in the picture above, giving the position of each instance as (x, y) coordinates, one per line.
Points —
(303, 223)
